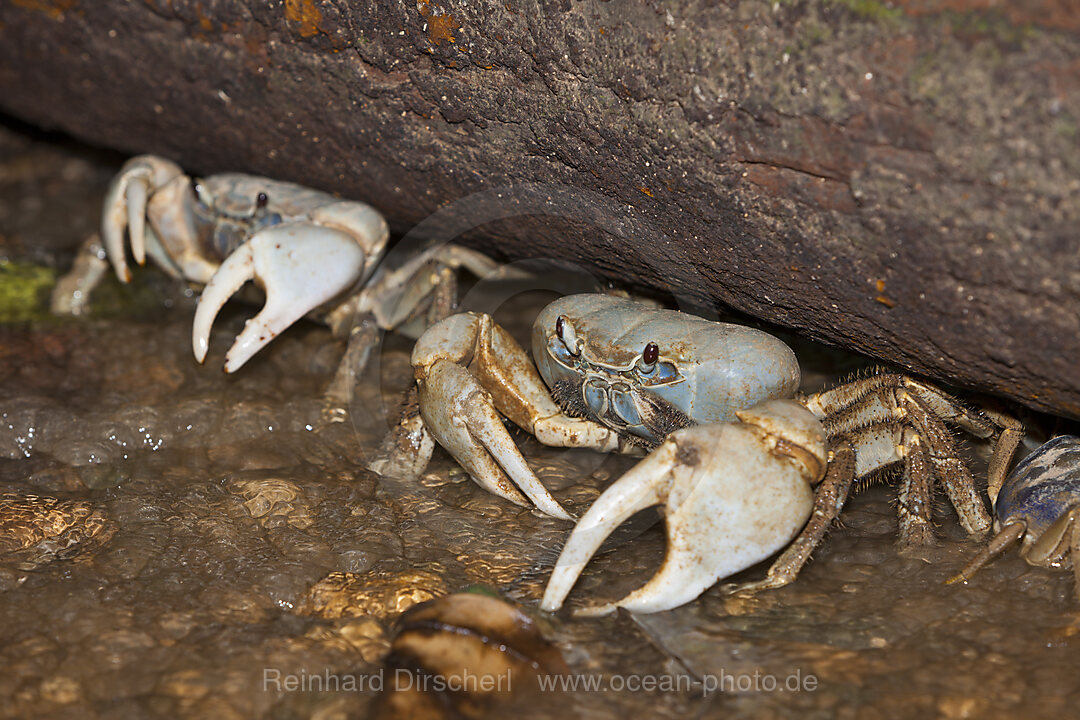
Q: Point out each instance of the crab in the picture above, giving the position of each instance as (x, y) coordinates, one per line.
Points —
(735, 452)
(310, 252)
(1038, 505)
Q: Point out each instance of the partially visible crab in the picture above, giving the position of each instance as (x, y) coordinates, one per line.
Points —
(734, 455)
(1039, 506)
(309, 251)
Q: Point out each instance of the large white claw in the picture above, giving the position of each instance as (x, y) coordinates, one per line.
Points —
(125, 208)
(733, 494)
(300, 266)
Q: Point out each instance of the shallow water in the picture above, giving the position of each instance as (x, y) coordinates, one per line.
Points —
(222, 500)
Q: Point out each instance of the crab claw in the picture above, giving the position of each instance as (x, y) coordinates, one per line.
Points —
(300, 266)
(125, 208)
(468, 371)
(473, 433)
(733, 494)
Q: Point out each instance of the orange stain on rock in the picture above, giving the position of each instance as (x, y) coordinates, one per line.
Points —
(440, 24)
(305, 14)
(887, 302)
(54, 8)
(205, 23)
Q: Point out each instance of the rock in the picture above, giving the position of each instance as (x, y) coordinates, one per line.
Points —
(899, 179)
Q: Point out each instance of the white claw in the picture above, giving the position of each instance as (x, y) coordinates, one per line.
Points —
(300, 267)
(469, 370)
(468, 427)
(113, 224)
(732, 497)
(136, 208)
(645, 485)
(125, 208)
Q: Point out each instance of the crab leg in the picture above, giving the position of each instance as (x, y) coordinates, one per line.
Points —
(300, 267)
(998, 544)
(733, 494)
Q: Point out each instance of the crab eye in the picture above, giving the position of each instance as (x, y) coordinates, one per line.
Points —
(260, 201)
(566, 334)
(650, 354)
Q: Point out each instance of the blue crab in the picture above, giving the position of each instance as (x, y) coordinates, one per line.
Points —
(734, 452)
(1039, 506)
(311, 253)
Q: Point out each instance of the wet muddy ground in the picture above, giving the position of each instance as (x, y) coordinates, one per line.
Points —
(192, 512)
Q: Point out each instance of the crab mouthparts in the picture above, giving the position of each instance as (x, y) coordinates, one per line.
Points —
(638, 416)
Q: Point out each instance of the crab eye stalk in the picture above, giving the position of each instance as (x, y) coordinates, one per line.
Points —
(260, 201)
(566, 334)
(649, 356)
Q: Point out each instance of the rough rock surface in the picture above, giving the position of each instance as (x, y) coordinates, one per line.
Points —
(899, 179)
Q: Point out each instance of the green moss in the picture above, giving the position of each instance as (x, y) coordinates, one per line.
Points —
(24, 291)
(989, 24)
(1065, 128)
(138, 299)
(478, 589)
(871, 10)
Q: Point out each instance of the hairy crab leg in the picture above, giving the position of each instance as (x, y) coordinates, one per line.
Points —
(984, 425)
(887, 403)
(857, 454)
(395, 293)
(916, 494)
(1004, 449)
(733, 494)
(1039, 506)
(884, 419)
(1061, 541)
(299, 266)
(423, 287)
(71, 295)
